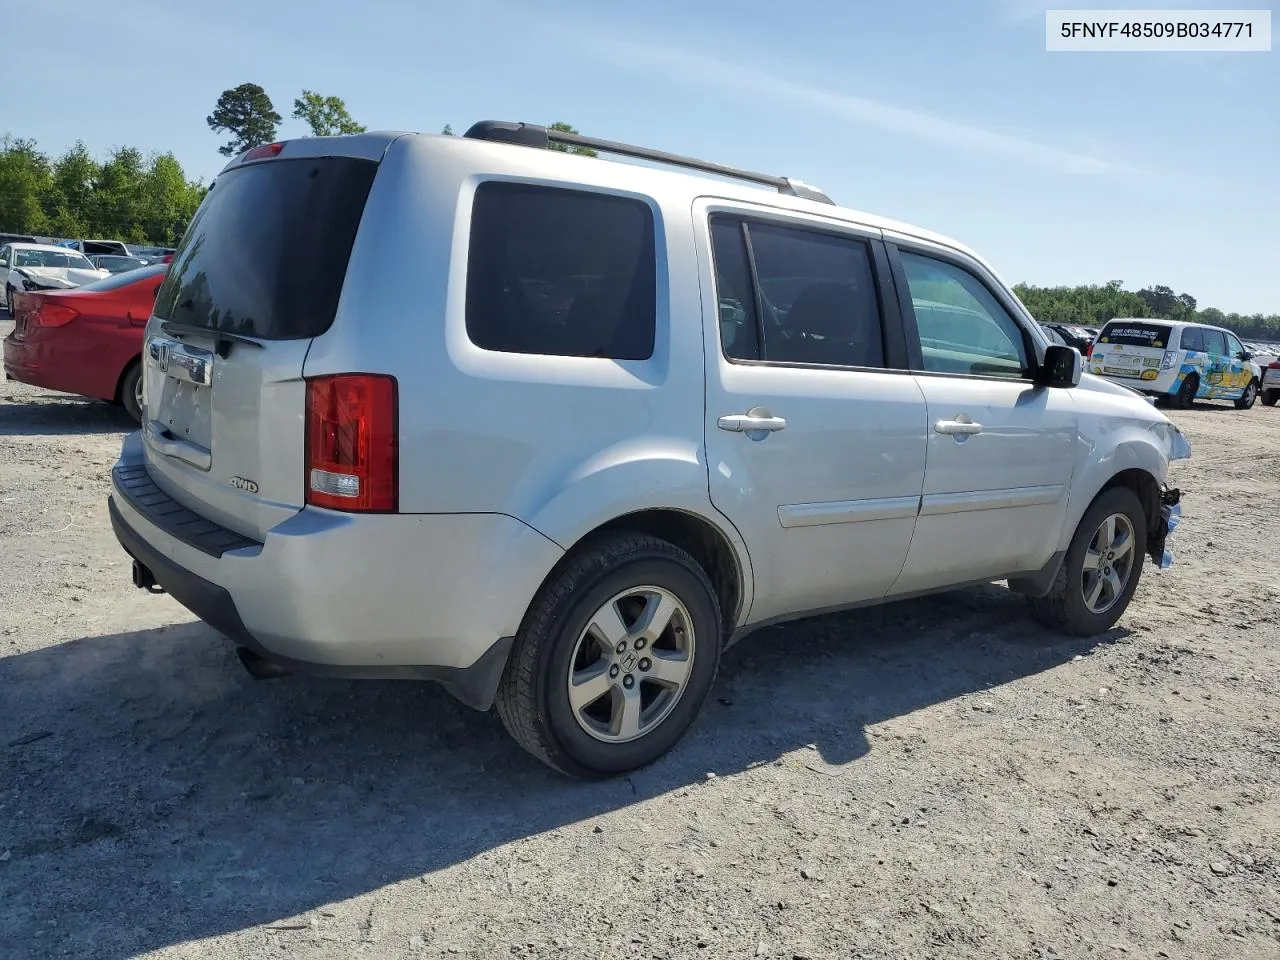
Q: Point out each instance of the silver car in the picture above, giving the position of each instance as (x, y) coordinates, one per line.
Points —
(554, 430)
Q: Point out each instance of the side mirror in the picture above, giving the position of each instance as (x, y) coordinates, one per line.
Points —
(1246, 355)
(1062, 367)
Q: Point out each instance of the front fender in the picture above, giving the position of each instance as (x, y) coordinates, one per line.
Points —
(1136, 446)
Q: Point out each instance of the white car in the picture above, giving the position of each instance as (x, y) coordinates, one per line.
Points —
(38, 266)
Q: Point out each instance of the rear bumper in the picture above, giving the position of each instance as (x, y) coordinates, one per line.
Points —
(1271, 380)
(1166, 382)
(435, 597)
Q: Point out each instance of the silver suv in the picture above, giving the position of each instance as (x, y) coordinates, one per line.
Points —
(553, 430)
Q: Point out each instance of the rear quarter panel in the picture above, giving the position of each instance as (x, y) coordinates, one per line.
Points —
(561, 443)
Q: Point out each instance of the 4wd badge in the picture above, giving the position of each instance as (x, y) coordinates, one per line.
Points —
(240, 483)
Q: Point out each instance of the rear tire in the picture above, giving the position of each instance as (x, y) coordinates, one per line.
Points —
(1269, 397)
(130, 391)
(1247, 398)
(1185, 398)
(565, 654)
(8, 301)
(1076, 604)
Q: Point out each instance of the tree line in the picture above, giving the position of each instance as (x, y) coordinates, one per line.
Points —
(125, 196)
(1092, 306)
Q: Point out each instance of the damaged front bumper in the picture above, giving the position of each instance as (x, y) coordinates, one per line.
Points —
(1170, 517)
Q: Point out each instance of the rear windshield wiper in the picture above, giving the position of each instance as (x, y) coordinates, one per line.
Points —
(178, 329)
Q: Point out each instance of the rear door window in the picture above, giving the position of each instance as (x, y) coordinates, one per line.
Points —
(266, 254)
(1215, 343)
(1136, 334)
(1193, 339)
(560, 272)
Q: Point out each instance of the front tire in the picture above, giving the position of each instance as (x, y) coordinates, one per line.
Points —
(1250, 394)
(614, 659)
(1101, 569)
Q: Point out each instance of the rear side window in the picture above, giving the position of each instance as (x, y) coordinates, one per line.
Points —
(1193, 339)
(1215, 342)
(560, 272)
(1136, 334)
(267, 252)
(793, 295)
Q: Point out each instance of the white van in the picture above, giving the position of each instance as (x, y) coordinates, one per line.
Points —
(1181, 361)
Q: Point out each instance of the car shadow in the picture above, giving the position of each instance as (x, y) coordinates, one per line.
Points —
(52, 414)
(153, 794)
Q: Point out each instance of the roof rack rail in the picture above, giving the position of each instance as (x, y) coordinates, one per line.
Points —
(535, 135)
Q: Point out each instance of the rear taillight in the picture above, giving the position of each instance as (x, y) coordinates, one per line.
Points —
(1274, 365)
(1088, 351)
(263, 152)
(352, 443)
(50, 314)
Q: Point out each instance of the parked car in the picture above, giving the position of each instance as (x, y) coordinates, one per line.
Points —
(1072, 336)
(1271, 384)
(86, 341)
(553, 430)
(117, 264)
(1052, 335)
(37, 266)
(90, 247)
(1181, 362)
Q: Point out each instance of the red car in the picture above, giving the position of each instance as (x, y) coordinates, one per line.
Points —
(87, 340)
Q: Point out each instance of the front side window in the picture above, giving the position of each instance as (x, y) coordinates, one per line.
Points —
(560, 272)
(1234, 346)
(812, 298)
(963, 329)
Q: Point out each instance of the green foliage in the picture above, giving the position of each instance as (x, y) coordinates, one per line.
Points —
(1092, 306)
(562, 148)
(447, 131)
(125, 197)
(326, 116)
(246, 112)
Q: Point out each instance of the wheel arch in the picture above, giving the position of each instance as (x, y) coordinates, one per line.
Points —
(720, 554)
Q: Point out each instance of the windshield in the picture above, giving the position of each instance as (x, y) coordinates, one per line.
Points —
(119, 264)
(51, 258)
(126, 277)
(1133, 333)
(267, 251)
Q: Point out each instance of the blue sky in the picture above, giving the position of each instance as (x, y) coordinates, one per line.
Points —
(1058, 168)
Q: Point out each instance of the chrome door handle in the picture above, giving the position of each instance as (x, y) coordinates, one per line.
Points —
(953, 428)
(747, 423)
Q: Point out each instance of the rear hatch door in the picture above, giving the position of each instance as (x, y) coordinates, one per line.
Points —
(1131, 348)
(256, 278)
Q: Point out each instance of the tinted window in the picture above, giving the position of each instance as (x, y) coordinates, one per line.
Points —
(1193, 339)
(814, 300)
(266, 253)
(739, 334)
(962, 327)
(1135, 333)
(561, 272)
(1215, 342)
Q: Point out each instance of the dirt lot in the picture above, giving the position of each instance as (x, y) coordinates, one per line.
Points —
(934, 779)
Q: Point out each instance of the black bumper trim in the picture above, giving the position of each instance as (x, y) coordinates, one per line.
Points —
(476, 685)
(135, 485)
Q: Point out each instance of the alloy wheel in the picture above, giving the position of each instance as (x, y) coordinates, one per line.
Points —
(1108, 563)
(631, 664)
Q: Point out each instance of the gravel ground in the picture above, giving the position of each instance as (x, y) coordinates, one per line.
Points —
(933, 779)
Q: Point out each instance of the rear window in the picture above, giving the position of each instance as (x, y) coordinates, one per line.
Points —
(1136, 334)
(561, 272)
(267, 251)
